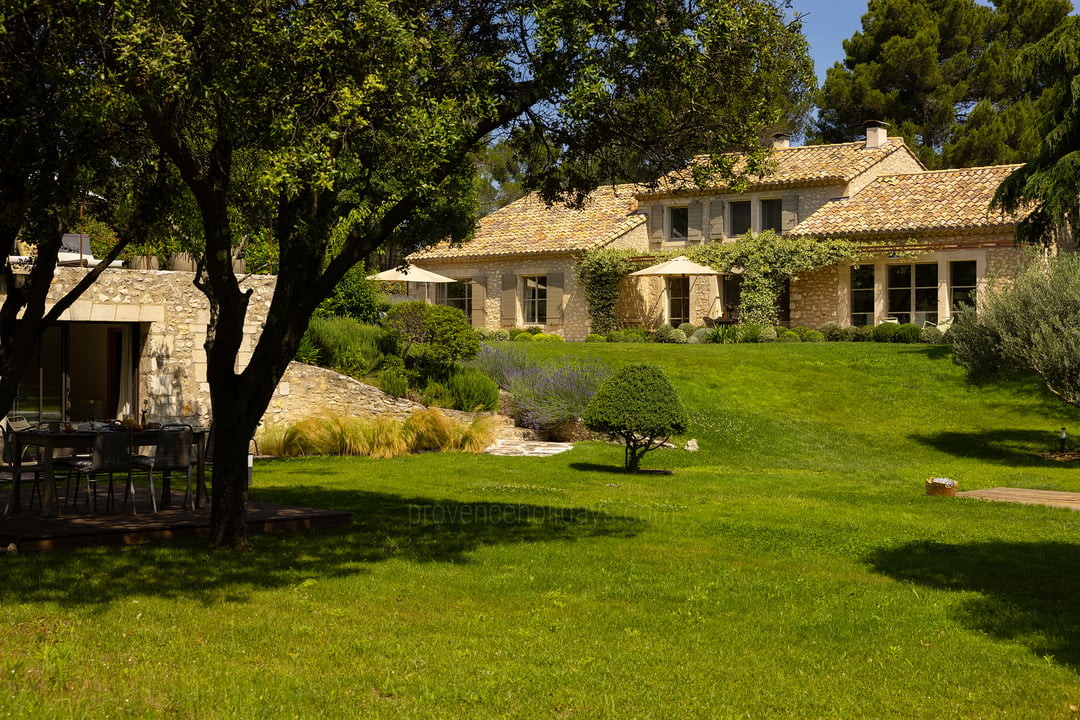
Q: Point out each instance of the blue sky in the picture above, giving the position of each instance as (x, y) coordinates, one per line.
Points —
(827, 24)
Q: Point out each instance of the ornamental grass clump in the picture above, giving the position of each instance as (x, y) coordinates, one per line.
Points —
(639, 405)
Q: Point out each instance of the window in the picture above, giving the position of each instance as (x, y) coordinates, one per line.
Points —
(679, 223)
(772, 215)
(678, 289)
(862, 295)
(535, 300)
(963, 279)
(740, 217)
(913, 293)
(459, 295)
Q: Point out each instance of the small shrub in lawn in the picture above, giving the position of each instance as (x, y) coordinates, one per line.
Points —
(514, 332)
(616, 336)
(749, 332)
(688, 328)
(678, 337)
(801, 331)
(540, 337)
(907, 333)
(664, 333)
(768, 334)
(555, 338)
(595, 337)
(500, 335)
(931, 336)
(523, 337)
(702, 334)
(639, 405)
(471, 389)
(831, 332)
(813, 336)
(789, 336)
(885, 332)
(693, 340)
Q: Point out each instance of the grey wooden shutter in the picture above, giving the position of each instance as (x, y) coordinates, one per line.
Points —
(656, 223)
(789, 212)
(695, 213)
(716, 219)
(479, 299)
(509, 300)
(554, 298)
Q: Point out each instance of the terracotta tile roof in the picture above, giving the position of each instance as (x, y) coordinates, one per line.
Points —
(806, 165)
(527, 226)
(928, 202)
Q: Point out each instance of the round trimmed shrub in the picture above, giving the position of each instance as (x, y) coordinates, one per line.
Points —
(540, 337)
(555, 337)
(693, 340)
(678, 336)
(688, 328)
(931, 336)
(814, 336)
(500, 335)
(639, 405)
(885, 332)
(534, 329)
(483, 334)
(831, 332)
(594, 337)
(514, 332)
(637, 334)
(616, 336)
(908, 333)
(523, 337)
(701, 334)
(789, 336)
(768, 334)
(801, 331)
(664, 333)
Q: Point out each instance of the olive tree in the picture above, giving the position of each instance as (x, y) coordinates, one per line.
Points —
(638, 405)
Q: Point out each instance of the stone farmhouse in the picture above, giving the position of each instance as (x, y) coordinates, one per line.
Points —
(933, 239)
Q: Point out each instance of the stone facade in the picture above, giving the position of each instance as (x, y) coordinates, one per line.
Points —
(172, 318)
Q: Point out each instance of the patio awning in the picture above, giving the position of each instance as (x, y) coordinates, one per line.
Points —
(677, 266)
(411, 273)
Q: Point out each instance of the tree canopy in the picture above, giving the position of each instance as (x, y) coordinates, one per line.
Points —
(1050, 181)
(950, 76)
(337, 127)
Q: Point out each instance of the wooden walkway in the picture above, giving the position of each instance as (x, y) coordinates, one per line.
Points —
(30, 532)
(1050, 498)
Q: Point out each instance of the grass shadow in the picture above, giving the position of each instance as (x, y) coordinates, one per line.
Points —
(385, 527)
(1027, 591)
(617, 469)
(1016, 446)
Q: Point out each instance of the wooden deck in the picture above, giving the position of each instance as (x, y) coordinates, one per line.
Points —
(1050, 498)
(30, 532)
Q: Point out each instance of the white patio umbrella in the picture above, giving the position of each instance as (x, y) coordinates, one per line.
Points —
(677, 266)
(411, 273)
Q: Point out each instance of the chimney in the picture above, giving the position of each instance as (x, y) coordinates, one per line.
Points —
(877, 133)
(780, 141)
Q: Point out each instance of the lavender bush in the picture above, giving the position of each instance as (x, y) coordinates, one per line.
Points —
(544, 394)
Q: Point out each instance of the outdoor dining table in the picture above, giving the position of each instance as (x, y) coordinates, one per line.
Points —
(51, 440)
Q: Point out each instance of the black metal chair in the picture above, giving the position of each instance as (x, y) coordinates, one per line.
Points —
(26, 467)
(173, 452)
(111, 455)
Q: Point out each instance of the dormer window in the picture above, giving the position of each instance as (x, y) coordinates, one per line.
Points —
(678, 223)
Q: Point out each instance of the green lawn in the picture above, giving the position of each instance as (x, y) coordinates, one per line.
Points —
(793, 568)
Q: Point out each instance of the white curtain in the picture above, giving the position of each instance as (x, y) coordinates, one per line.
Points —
(124, 403)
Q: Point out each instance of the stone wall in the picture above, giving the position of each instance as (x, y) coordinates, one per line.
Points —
(307, 391)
